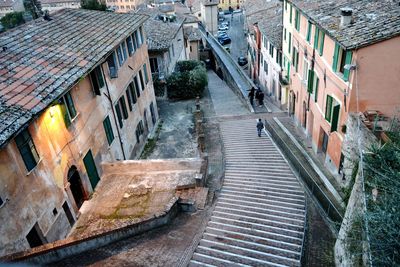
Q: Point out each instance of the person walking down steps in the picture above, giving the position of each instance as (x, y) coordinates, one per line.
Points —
(260, 126)
(251, 95)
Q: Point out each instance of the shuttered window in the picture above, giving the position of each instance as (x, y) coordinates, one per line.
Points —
(346, 72)
(97, 79)
(290, 42)
(27, 149)
(122, 103)
(335, 57)
(129, 97)
(119, 115)
(146, 75)
(141, 80)
(297, 20)
(68, 109)
(108, 130)
(316, 85)
(290, 14)
(137, 88)
(328, 109)
(309, 28)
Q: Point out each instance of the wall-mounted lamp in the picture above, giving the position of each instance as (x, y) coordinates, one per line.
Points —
(52, 111)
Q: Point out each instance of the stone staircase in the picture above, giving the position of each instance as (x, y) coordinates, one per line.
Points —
(259, 216)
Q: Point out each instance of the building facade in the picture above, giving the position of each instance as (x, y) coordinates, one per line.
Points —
(230, 4)
(335, 64)
(8, 6)
(65, 110)
(209, 15)
(54, 5)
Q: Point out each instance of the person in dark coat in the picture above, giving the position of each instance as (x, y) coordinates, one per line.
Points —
(251, 95)
(261, 98)
(258, 93)
(260, 126)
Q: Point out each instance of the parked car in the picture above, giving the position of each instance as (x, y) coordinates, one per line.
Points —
(242, 61)
(224, 40)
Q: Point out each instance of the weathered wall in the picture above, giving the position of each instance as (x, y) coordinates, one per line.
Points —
(33, 195)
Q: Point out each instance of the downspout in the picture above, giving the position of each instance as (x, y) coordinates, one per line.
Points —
(113, 112)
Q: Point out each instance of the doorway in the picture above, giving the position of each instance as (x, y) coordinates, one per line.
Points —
(35, 237)
(76, 187)
(68, 213)
(91, 169)
(304, 115)
(325, 139)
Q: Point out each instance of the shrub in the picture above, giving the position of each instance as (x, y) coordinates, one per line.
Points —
(93, 5)
(188, 81)
(12, 20)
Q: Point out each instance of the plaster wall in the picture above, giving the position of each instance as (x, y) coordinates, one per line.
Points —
(378, 78)
(209, 16)
(34, 195)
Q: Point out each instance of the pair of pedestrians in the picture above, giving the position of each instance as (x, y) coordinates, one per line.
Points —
(258, 94)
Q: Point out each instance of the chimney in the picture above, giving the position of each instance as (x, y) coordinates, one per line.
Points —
(346, 16)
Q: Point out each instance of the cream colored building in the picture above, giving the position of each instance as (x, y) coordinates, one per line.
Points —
(86, 98)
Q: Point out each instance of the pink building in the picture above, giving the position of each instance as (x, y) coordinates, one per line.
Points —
(339, 55)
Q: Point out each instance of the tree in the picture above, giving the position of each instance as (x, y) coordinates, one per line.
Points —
(93, 5)
(12, 20)
(34, 8)
(188, 81)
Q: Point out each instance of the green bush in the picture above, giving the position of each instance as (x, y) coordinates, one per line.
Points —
(93, 5)
(188, 81)
(12, 20)
(159, 86)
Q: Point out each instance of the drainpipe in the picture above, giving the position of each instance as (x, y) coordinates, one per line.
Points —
(113, 112)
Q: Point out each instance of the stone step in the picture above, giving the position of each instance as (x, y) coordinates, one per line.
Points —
(258, 171)
(263, 195)
(278, 184)
(261, 209)
(223, 223)
(245, 260)
(261, 185)
(244, 156)
(263, 200)
(269, 192)
(239, 160)
(262, 177)
(267, 206)
(254, 254)
(259, 165)
(250, 143)
(240, 211)
(206, 260)
(249, 234)
(195, 263)
(249, 244)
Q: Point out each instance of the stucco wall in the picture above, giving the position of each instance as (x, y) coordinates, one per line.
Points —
(33, 195)
(378, 78)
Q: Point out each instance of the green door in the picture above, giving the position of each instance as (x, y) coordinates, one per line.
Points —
(91, 169)
(335, 118)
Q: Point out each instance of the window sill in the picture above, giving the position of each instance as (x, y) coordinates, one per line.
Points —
(34, 168)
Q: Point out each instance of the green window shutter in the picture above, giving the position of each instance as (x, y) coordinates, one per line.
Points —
(316, 35)
(146, 76)
(27, 149)
(335, 57)
(321, 45)
(290, 42)
(290, 14)
(328, 109)
(297, 20)
(346, 72)
(310, 81)
(316, 89)
(119, 115)
(309, 27)
(65, 115)
(108, 130)
(335, 118)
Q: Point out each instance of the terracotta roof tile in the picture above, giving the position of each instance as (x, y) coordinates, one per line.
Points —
(44, 59)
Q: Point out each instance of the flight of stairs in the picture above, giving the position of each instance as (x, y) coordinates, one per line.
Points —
(260, 214)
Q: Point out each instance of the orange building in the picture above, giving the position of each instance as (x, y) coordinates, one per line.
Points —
(75, 91)
(340, 57)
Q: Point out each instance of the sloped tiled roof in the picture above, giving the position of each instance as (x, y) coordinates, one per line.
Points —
(41, 60)
(268, 16)
(192, 34)
(373, 20)
(160, 34)
(6, 3)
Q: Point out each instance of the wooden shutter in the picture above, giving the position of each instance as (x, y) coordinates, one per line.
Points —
(316, 36)
(335, 57)
(328, 109)
(346, 72)
(108, 130)
(309, 31)
(321, 45)
(316, 89)
(310, 81)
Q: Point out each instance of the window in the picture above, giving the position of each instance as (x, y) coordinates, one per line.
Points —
(122, 103)
(328, 109)
(108, 130)
(173, 50)
(309, 28)
(290, 42)
(305, 71)
(153, 65)
(133, 98)
(313, 83)
(266, 67)
(137, 88)
(271, 50)
(141, 80)
(120, 55)
(278, 58)
(119, 115)
(290, 14)
(27, 149)
(297, 20)
(124, 50)
(129, 97)
(96, 77)
(146, 75)
(135, 41)
(130, 45)
(295, 58)
(68, 109)
(341, 57)
(139, 131)
(319, 38)
(112, 66)
(284, 34)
